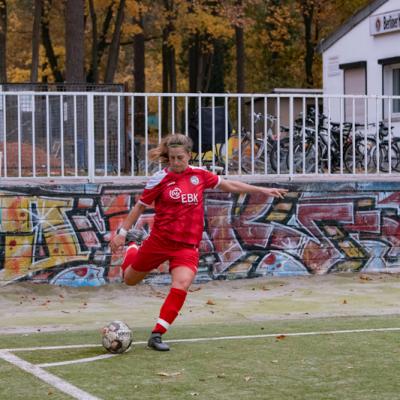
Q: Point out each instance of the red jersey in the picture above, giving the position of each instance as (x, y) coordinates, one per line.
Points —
(178, 202)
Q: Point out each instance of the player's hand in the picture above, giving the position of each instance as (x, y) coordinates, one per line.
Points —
(276, 192)
(117, 242)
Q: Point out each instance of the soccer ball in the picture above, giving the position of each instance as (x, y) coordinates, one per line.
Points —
(117, 337)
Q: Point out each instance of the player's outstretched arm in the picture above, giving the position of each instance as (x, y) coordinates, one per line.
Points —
(231, 186)
(118, 240)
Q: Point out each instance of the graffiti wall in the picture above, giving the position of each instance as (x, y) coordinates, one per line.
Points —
(61, 234)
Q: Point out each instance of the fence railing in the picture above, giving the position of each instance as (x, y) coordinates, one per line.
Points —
(97, 136)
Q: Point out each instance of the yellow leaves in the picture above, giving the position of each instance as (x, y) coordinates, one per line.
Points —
(202, 22)
(132, 29)
(18, 74)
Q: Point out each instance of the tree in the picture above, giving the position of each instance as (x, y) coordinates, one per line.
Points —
(139, 77)
(240, 51)
(74, 41)
(113, 53)
(93, 75)
(47, 42)
(168, 60)
(3, 41)
(37, 14)
(310, 11)
(99, 43)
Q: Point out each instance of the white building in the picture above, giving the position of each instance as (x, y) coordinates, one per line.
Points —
(362, 57)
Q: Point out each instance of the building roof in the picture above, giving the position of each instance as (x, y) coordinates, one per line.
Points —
(349, 25)
(297, 90)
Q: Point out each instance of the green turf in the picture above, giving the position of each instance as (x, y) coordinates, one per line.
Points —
(342, 366)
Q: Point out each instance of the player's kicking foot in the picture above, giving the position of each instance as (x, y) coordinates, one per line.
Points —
(155, 342)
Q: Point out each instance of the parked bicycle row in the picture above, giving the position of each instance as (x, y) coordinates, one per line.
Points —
(313, 145)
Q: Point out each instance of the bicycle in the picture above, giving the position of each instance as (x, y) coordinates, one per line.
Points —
(254, 154)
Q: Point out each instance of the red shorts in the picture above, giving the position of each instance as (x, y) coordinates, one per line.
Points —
(155, 250)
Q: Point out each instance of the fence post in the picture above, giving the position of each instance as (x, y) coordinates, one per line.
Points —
(291, 133)
(90, 128)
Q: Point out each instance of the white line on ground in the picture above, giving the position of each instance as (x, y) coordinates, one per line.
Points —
(203, 339)
(45, 376)
(80, 360)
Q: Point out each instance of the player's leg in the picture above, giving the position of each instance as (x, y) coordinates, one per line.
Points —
(139, 261)
(183, 271)
(133, 277)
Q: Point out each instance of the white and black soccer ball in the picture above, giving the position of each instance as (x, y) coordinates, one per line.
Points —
(117, 337)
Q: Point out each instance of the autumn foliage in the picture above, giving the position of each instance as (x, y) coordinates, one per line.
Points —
(169, 45)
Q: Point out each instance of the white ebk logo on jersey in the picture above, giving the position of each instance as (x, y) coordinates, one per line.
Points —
(190, 198)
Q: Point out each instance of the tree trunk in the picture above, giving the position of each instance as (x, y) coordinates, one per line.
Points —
(193, 64)
(102, 45)
(240, 53)
(47, 44)
(165, 81)
(37, 14)
(308, 13)
(74, 41)
(114, 48)
(139, 76)
(3, 41)
(99, 43)
(168, 64)
(93, 75)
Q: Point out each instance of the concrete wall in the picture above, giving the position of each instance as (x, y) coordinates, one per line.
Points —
(60, 234)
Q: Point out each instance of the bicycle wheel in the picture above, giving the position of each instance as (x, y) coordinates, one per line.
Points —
(384, 156)
(229, 155)
(256, 158)
(278, 156)
(364, 156)
(303, 157)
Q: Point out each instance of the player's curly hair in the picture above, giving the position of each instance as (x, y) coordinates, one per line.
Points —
(160, 153)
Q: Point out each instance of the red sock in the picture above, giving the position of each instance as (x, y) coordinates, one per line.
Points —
(130, 254)
(170, 309)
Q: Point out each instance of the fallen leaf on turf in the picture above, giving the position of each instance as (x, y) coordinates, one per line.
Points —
(210, 302)
(221, 375)
(194, 393)
(281, 337)
(169, 374)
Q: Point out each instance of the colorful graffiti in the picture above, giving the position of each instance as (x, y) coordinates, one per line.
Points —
(61, 235)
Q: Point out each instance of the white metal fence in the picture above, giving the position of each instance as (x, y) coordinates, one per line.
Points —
(97, 136)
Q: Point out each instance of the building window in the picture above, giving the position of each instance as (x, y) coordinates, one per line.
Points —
(396, 89)
(391, 85)
(354, 83)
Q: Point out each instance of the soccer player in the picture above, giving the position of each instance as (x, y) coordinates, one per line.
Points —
(177, 195)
